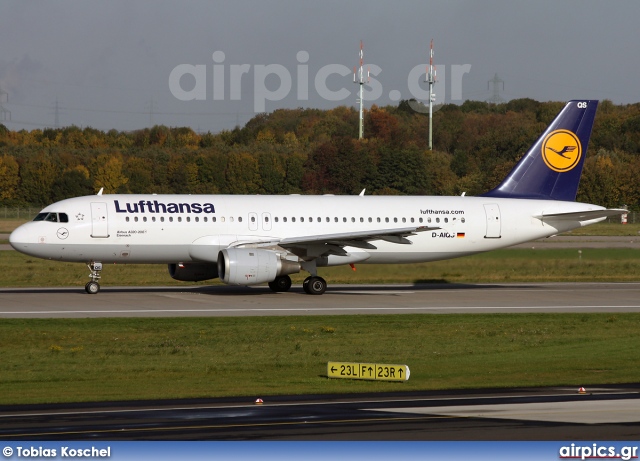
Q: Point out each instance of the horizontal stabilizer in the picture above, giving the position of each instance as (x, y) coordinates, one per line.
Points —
(587, 215)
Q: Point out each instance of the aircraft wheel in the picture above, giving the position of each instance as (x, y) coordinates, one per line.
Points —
(314, 285)
(280, 284)
(92, 287)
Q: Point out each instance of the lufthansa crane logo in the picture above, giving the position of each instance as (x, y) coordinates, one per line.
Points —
(561, 150)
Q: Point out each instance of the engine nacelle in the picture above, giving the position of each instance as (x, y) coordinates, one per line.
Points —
(250, 266)
(193, 272)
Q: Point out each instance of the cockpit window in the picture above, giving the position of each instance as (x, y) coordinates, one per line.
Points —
(52, 217)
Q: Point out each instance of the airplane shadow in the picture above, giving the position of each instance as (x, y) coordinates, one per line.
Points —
(227, 290)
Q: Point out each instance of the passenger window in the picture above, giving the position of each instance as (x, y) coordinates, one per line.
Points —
(276, 218)
(412, 220)
(395, 219)
(179, 218)
(386, 219)
(153, 218)
(446, 219)
(404, 219)
(284, 219)
(127, 219)
(420, 220)
(240, 219)
(135, 219)
(170, 218)
(428, 220)
(144, 219)
(335, 219)
(378, 219)
(328, 219)
(293, 219)
(353, 219)
(301, 219)
(461, 219)
(344, 219)
(161, 218)
(205, 219)
(188, 219)
(266, 219)
(213, 219)
(198, 219)
(437, 219)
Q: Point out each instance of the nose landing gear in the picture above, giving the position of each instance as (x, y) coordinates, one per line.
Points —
(92, 287)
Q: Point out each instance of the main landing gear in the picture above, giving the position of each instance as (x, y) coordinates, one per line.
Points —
(280, 284)
(312, 285)
(92, 287)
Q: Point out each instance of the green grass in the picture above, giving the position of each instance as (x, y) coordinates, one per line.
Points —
(608, 229)
(120, 359)
(7, 225)
(502, 266)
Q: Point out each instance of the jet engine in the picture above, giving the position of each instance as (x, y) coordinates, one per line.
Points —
(193, 272)
(250, 266)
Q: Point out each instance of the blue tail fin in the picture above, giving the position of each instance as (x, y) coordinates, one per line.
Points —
(551, 168)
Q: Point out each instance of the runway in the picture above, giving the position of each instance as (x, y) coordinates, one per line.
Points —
(604, 413)
(217, 301)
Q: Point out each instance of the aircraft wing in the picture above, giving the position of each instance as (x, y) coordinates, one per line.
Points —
(323, 244)
(582, 215)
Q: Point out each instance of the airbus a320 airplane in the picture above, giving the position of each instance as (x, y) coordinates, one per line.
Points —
(248, 240)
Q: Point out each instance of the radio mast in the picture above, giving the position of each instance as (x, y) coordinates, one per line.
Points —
(5, 114)
(431, 79)
(360, 80)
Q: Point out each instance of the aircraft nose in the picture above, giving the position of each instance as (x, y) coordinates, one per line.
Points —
(19, 238)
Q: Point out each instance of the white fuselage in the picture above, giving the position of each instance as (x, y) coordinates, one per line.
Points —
(193, 228)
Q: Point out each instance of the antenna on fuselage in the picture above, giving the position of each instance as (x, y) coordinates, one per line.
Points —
(100, 191)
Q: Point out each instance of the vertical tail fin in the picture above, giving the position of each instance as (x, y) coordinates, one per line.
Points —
(551, 168)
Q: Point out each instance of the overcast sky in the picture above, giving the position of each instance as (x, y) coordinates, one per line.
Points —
(110, 63)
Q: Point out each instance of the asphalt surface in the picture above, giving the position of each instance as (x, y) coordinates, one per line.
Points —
(217, 301)
(602, 413)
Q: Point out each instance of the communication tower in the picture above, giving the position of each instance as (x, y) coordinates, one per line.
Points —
(431, 79)
(495, 81)
(5, 114)
(358, 77)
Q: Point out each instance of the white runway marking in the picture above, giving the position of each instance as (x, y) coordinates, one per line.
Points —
(587, 412)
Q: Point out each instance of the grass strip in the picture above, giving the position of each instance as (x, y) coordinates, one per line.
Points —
(501, 266)
(73, 360)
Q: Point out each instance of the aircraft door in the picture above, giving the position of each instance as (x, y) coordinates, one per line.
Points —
(494, 227)
(253, 221)
(266, 221)
(99, 220)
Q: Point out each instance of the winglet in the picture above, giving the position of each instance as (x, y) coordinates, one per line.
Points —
(551, 168)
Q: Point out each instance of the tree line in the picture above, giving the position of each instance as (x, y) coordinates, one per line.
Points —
(311, 151)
